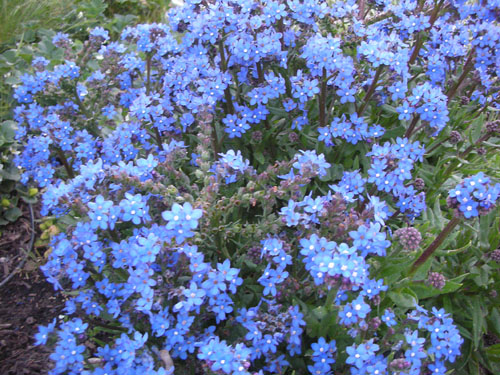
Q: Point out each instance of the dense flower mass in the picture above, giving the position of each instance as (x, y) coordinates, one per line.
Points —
(474, 196)
(208, 223)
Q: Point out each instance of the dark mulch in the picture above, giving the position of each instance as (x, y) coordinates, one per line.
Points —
(26, 301)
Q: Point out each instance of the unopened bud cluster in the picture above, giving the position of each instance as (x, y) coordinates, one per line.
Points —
(408, 237)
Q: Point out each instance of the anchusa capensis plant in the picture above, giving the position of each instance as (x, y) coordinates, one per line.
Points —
(228, 184)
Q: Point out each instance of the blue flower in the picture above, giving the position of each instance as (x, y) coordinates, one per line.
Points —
(388, 318)
(311, 162)
(134, 208)
(181, 220)
(44, 332)
(235, 126)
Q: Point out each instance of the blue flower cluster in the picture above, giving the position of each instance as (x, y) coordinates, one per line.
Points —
(474, 196)
(391, 167)
(152, 245)
(353, 130)
(231, 165)
(322, 356)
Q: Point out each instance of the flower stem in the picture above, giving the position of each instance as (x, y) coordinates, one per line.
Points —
(409, 131)
(371, 90)
(322, 100)
(361, 9)
(467, 68)
(64, 161)
(435, 244)
(420, 39)
(227, 92)
(148, 90)
(428, 152)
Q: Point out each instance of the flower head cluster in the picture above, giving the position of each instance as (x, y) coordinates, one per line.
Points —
(408, 237)
(181, 220)
(322, 356)
(391, 166)
(474, 196)
(156, 247)
(353, 130)
(273, 248)
(231, 165)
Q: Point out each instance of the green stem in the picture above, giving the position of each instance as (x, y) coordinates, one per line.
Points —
(419, 128)
(435, 244)
(371, 90)
(227, 92)
(361, 10)
(157, 134)
(428, 152)
(378, 18)
(260, 72)
(467, 68)
(85, 111)
(64, 161)
(281, 29)
(420, 40)
(409, 131)
(322, 101)
(215, 141)
(416, 50)
(148, 91)
(148, 74)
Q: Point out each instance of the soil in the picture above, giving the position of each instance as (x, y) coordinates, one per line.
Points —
(26, 301)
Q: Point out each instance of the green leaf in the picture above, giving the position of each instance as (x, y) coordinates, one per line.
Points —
(394, 133)
(494, 320)
(481, 276)
(278, 111)
(447, 304)
(438, 215)
(477, 320)
(494, 145)
(453, 251)
(493, 353)
(259, 156)
(424, 291)
(404, 298)
(423, 270)
(320, 312)
(11, 173)
(476, 128)
(389, 108)
(333, 173)
(390, 272)
(355, 164)
(485, 223)
(12, 214)
(28, 199)
(8, 130)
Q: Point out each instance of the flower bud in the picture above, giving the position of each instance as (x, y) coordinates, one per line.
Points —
(455, 137)
(409, 238)
(436, 280)
(495, 255)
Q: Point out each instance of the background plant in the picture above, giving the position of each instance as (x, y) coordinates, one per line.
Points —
(203, 170)
(26, 29)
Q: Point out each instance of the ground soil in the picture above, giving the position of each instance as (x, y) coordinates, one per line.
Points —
(26, 301)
